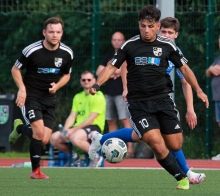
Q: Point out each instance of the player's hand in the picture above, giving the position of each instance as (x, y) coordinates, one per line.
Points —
(21, 97)
(92, 91)
(191, 119)
(124, 94)
(53, 88)
(203, 97)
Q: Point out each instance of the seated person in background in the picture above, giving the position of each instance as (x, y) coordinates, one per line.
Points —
(87, 115)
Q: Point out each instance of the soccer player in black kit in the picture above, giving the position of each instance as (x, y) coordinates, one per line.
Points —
(151, 108)
(48, 66)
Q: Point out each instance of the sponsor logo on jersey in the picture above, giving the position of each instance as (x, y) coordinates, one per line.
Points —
(4, 113)
(48, 70)
(58, 62)
(147, 60)
(157, 51)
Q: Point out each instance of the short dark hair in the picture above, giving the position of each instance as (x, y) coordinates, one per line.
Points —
(150, 13)
(53, 20)
(170, 22)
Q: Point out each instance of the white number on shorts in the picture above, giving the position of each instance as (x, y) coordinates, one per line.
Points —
(31, 114)
(144, 123)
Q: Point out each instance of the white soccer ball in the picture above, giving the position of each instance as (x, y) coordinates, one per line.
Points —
(114, 150)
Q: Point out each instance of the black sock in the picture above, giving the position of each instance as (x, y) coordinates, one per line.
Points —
(25, 130)
(35, 153)
(169, 163)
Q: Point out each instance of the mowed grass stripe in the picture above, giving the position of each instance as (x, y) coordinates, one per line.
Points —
(101, 182)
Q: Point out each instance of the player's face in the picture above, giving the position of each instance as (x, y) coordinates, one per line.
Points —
(168, 32)
(148, 30)
(53, 34)
(117, 40)
(87, 80)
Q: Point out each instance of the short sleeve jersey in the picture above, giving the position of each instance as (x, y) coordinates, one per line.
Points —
(84, 104)
(43, 66)
(146, 64)
(215, 82)
(113, 86)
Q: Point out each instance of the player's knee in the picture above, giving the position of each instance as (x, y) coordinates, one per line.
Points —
(158, 148)
(45, 141)
(175, 147)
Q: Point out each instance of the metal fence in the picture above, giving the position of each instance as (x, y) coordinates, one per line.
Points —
(88, 29)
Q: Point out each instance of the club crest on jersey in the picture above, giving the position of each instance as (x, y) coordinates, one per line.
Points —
(157, 51)
(58, 62)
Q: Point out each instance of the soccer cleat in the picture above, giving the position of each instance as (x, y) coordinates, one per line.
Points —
(96, 162)
(13, 137)
(95, 145)
(183, 184)
(195, 178)
(216, 158)
(38, 174)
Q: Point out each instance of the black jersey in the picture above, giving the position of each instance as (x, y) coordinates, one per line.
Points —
(146, 64)
(113, 86)
(43, 66)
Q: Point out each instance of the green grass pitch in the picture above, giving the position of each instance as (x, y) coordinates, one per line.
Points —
(102, 182)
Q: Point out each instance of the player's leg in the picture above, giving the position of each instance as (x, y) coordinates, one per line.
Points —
(41, 115)
(20, 128)
(194, 178)
(123, 116)
(144, 117)
(125, 134)
(35, 149)
(111, 112)
(172, 134)
(154, 139)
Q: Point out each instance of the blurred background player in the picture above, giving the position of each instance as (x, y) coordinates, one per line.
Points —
(48, 66)
(87, 115)
(214, 72)
(116, 108)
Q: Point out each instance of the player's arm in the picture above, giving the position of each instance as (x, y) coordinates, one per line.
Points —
(124, 72)
(115, 75)
(103, 77)
(21, 96)
(99, 69)
(191, 79)
(106, 74)
(56, 86)
(191, 118)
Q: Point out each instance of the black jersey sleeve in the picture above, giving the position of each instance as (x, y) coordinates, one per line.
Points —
(68, 67)
(21, 62)
(107, 58)
(177, 58)
(118, 58)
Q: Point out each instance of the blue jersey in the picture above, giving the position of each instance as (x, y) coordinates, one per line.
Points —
(172, 66)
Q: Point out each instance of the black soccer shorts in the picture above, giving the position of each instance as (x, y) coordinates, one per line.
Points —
(159, 113)
(39, 108)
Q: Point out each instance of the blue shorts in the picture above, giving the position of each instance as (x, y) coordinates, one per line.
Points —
(116, 108)
(217, 111)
